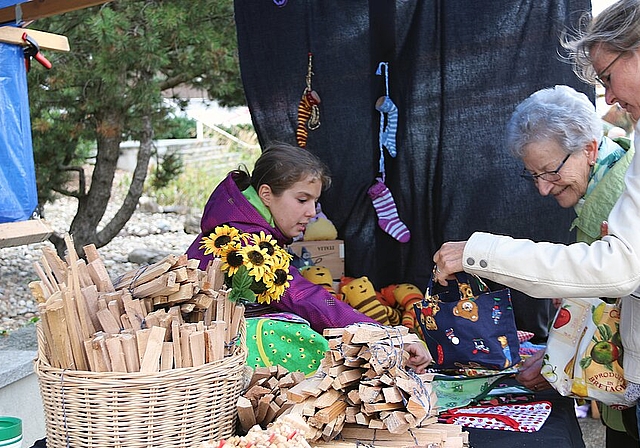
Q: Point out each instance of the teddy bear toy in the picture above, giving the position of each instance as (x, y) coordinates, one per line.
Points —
(405, 295)
(320, 275)
(361, 294)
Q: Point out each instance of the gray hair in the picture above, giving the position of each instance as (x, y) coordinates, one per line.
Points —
(559, 114)
(617, 28)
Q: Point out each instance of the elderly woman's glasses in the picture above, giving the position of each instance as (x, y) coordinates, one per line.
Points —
(549, 176)
(605, 79)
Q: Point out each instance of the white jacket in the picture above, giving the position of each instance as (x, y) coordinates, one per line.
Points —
(609, 267)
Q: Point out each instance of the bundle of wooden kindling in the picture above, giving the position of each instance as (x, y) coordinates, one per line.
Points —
(166, 315)
(363, 380)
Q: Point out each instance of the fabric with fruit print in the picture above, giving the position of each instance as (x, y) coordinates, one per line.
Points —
(583, 358)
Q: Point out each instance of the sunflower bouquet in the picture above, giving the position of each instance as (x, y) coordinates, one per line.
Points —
(255, 267)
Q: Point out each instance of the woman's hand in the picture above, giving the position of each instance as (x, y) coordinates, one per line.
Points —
(529, 373)
(448, 261)
(419, 357)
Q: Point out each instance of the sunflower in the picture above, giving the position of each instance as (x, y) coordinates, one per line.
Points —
(256, 260)
(265, 241)
(219, 239)
(255, 267)
(232, 261)
(281, 278)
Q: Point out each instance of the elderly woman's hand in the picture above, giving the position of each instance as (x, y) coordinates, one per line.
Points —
(419, 357)
(529, 373)
(448, 261)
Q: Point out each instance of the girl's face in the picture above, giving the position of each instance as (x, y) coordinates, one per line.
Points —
(546, 156)
(293, 209)
(620, 77)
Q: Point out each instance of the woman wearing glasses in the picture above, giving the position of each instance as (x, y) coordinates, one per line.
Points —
(606, 51)
(558, 135)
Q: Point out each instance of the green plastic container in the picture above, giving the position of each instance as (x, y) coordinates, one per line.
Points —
(10, 432)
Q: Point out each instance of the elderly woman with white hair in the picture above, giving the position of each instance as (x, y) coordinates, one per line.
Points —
(606, 51)
(558, 135)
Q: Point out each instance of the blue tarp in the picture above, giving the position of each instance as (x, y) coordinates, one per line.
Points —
(18, 193)
(6, 3)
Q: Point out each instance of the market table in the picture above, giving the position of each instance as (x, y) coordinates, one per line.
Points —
(560, 430)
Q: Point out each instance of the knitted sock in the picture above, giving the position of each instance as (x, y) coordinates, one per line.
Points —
(385, 207)
(307, 108)
(388, 123)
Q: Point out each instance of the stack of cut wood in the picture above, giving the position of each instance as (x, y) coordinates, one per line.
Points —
(266, 396)
(363, 381)
(436, 435)
(166, 315)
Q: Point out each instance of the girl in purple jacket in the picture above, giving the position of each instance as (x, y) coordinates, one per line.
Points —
(279, 198)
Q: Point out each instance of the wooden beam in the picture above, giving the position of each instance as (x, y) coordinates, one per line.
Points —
(45, 8)
(46, 41)
(23, 232)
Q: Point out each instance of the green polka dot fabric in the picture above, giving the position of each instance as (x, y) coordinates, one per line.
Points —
(292, 345)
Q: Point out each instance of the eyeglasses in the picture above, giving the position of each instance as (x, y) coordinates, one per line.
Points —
(605, 79)
(549, 176)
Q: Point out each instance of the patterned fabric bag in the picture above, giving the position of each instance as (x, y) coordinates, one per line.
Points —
(284, 340)
(583, 358)
(467, 325)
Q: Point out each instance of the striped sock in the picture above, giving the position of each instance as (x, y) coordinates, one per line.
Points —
(388, 218)
(388, 124)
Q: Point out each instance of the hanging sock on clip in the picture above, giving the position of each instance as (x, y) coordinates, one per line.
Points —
(388, 114)
(388, 124)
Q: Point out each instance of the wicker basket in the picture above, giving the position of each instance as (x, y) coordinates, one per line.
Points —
(172, 408)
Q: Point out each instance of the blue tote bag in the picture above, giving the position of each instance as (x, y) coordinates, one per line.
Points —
(465, 325)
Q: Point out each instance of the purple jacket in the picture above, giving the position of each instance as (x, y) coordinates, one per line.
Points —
(227, 205)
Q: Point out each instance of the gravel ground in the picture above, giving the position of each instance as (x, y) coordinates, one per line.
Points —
(159, 232)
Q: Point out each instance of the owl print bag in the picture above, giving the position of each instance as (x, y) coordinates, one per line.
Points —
(465, 325)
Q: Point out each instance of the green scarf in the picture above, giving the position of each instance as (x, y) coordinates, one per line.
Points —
(609, 152)
(251, 195)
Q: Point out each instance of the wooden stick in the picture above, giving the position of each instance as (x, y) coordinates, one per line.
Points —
(142, 336)
(74, 285)
(130, 349)
(74, 329)
(49, 287)
(116, 355)
(175, 337)
(145, 274)
(60, 346)
(166, 357)
(196, 343)
(151, 359)
(56, 264)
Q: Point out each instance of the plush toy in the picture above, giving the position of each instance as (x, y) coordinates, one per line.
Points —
(405, 295)
(321, 275)
(301, 261)
(320, 228)
(360, 294)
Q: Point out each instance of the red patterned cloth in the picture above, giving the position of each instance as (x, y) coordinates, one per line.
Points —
(528, 417)
(524, 336)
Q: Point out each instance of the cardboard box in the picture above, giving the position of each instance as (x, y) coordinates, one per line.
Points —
(329, 253)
